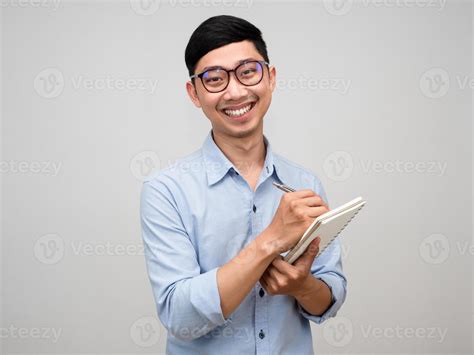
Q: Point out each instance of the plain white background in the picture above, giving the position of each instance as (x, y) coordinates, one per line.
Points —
(373, 96)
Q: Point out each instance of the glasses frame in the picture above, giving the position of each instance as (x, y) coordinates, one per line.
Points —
(228, 71)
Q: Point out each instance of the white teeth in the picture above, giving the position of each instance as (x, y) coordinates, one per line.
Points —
(236, 113)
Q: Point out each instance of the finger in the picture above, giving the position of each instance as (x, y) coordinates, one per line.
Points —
(282, 266)
(301, 193)
(274, 273)
(312, 250)
(306, 260)
(267, 284)
(314, 212)
(313, 247)
(313, 201)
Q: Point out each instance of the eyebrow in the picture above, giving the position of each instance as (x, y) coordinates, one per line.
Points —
(220, 67)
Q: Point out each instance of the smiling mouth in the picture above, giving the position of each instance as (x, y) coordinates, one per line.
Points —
(239, 112)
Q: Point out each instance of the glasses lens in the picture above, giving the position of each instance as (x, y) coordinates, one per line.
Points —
(215, 79)
(250, 73)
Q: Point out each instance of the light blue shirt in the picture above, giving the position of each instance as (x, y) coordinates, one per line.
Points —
(197, 215)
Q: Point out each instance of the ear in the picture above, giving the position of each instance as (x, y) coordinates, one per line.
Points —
(272, 74)
(191, 89)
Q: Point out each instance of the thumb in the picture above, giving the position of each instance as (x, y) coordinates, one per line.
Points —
(313, 247)
(310, 253)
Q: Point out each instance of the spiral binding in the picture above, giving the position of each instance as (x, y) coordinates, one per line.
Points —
(340, 230)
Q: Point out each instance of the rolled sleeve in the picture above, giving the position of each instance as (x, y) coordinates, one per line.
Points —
(328, 268)
(187, 301)
(338, 295)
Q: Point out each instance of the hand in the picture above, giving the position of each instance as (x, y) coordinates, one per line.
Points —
(296, 212)
(282, 278)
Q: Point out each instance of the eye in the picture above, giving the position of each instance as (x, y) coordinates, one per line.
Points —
(214, 77)
(212, 80)
(248, 71)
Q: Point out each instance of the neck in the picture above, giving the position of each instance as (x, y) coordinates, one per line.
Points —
(246, 153)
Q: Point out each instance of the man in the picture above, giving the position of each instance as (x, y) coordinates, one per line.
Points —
(215, 227)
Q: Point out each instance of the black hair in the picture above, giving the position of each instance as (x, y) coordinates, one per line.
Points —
(219, 31)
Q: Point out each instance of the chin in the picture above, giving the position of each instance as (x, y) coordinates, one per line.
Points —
(244, 131)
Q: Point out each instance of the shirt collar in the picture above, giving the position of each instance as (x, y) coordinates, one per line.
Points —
(217, 165)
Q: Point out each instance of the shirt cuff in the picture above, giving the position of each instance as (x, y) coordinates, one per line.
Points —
(337, 299)
(205, 297)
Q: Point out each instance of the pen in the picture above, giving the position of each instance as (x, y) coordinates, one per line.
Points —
(283, 187)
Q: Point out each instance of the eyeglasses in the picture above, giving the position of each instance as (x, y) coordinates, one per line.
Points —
(216, 79)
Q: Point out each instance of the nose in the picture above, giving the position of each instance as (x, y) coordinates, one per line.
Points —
(235, 90)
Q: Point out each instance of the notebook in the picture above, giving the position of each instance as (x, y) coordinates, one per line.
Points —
(327, 226)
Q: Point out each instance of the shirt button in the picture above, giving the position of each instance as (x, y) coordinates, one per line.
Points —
(261, 293)
(261, 335)
(254, 208)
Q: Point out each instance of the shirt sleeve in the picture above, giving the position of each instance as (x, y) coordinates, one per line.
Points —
(187, 301)
(328, 268)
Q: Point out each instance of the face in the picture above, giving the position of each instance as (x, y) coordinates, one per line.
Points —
(227, 110)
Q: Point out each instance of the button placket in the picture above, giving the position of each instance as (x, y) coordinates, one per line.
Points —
(261, 321)
(261, 303)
